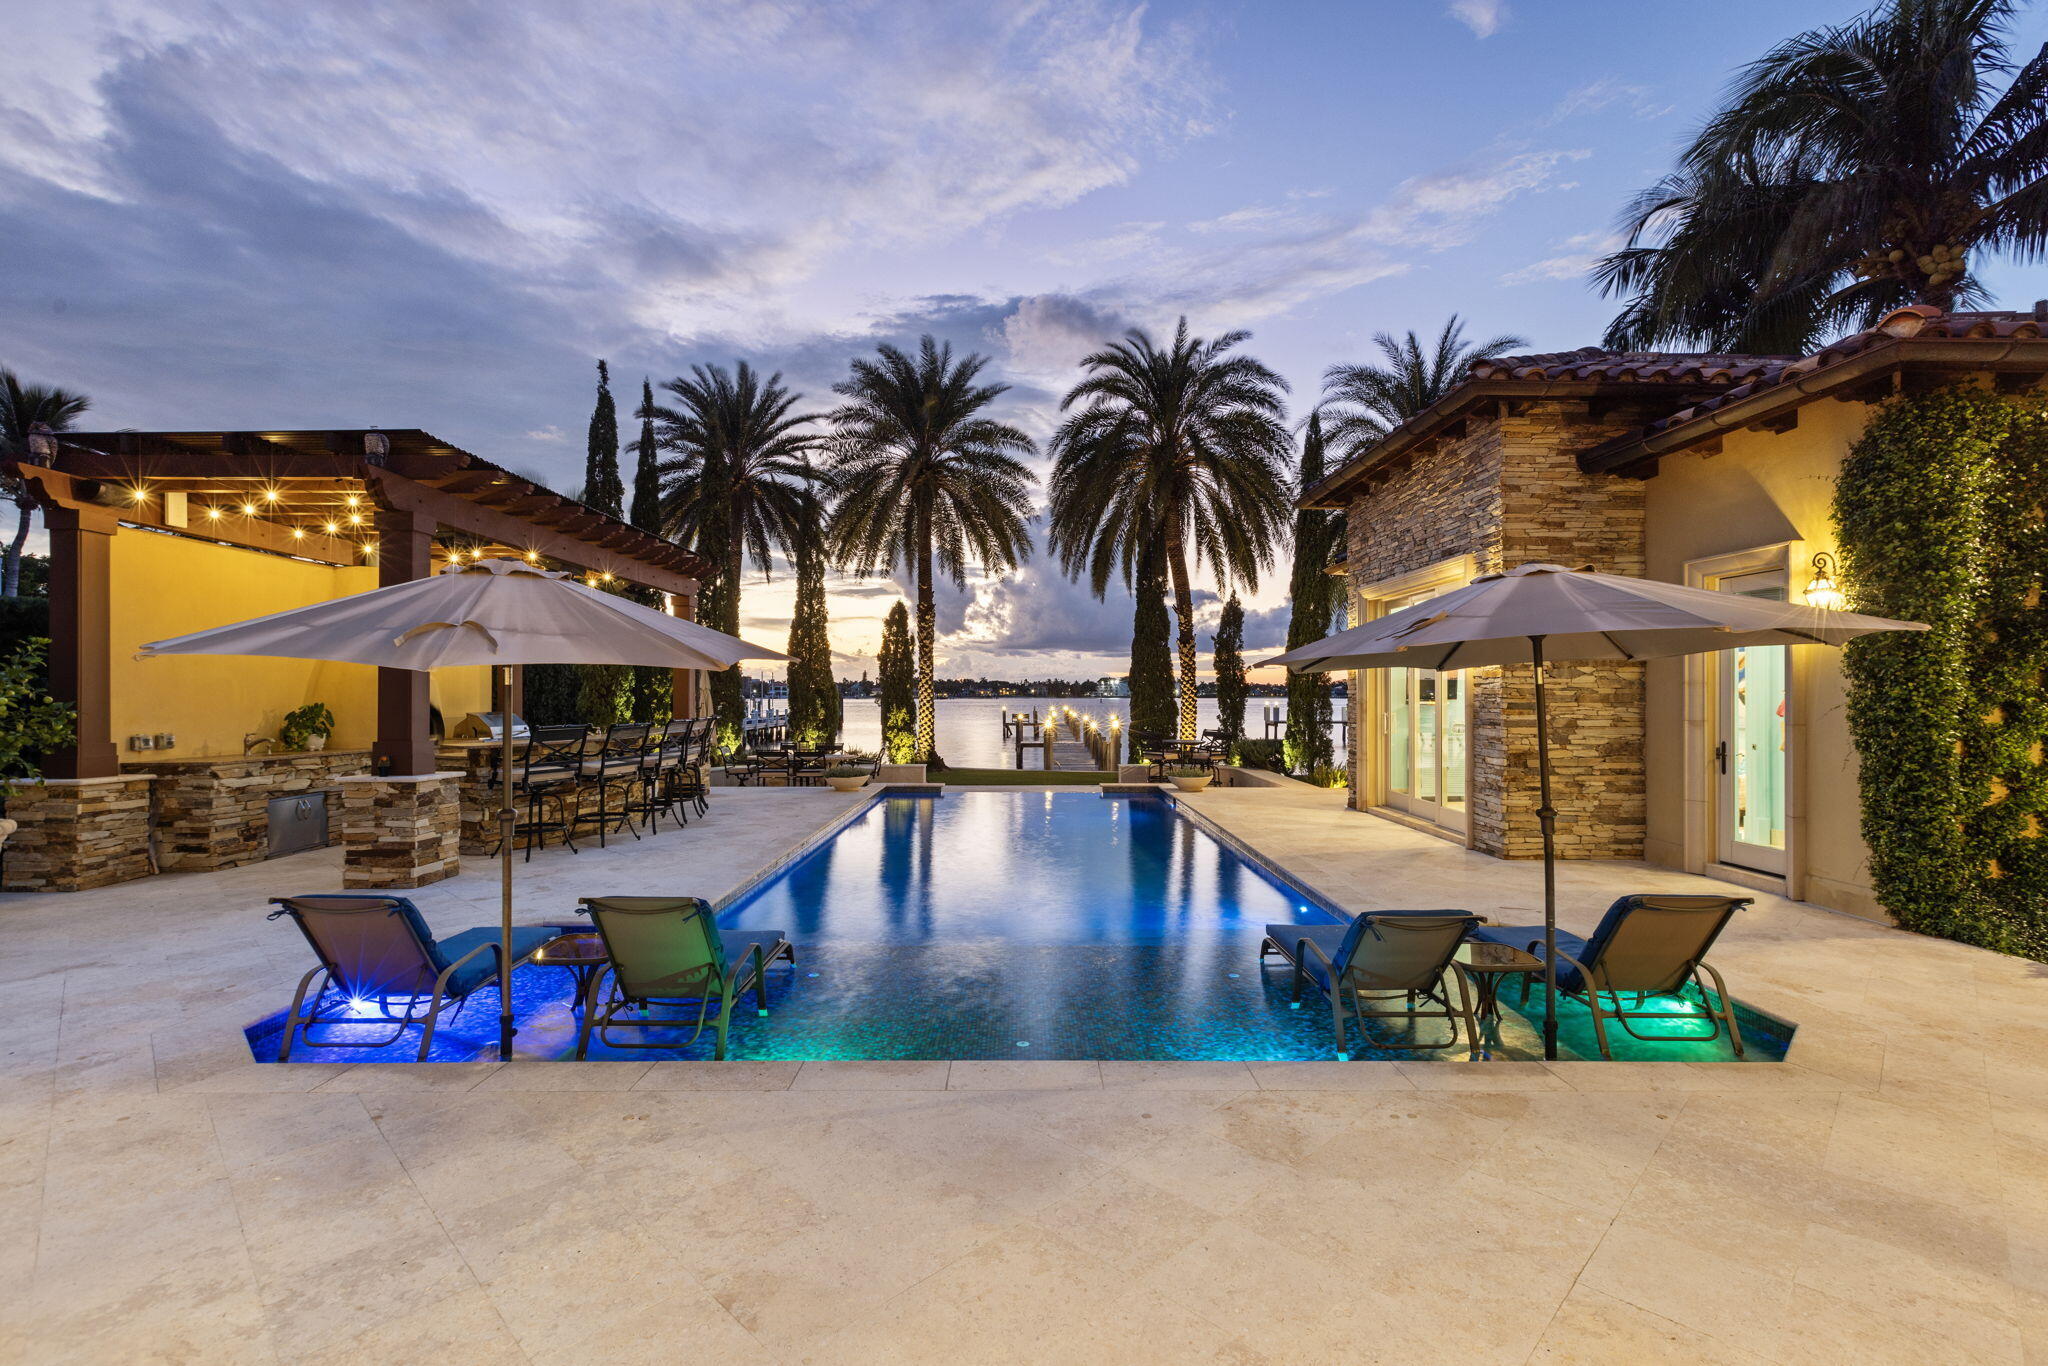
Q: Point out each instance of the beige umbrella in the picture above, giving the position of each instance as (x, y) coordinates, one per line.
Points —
(503, 613)
(1546, 612)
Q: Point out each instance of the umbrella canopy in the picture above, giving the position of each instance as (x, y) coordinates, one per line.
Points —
(1545, 613)
(489, 612)
(498, 612)
(1578, 615)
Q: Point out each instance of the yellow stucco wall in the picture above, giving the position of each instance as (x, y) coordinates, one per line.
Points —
(1762, 489)
(169, 585)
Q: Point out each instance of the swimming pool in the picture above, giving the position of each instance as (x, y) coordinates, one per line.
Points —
(1020, 924)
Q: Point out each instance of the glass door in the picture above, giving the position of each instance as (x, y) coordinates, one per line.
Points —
(1424, 726)
(1749, 750)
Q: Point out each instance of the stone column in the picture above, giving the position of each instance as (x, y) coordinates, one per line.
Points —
(78, 833)
(400, 831)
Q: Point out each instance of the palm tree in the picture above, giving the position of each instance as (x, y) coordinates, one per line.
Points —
(1182, 446)
(1852, 169)
(22, 407)
(924, 480)
(1365, 402)
(740, 485)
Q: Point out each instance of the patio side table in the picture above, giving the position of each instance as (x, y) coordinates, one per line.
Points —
(580, 951)
(1488, 964)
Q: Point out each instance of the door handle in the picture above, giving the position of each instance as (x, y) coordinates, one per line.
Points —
(1721, 756)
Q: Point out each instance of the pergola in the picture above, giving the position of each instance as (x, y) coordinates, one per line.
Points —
(393, 499)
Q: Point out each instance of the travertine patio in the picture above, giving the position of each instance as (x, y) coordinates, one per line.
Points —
(1882, 1196)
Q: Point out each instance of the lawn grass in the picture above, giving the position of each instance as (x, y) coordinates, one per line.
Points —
(1020, 777)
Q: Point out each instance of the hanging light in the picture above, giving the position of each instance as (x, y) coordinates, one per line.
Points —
(1821, 589)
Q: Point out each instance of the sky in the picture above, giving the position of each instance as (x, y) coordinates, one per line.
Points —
(312, 213)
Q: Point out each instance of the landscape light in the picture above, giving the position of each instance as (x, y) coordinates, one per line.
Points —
(1821, 590)
(533, 557)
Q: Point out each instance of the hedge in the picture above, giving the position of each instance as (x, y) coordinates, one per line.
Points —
(1939, 511)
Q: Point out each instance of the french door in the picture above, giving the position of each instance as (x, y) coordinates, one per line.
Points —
(1749, 752)
(1425, 730)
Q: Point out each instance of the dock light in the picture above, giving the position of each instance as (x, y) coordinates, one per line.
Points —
(1821, 590)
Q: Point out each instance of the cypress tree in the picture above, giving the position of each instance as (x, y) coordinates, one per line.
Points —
(898, 687)
(1228, 648)
(646, 469)
(1314, 598)
(601, 487)
(813, 695)
(1155, 702)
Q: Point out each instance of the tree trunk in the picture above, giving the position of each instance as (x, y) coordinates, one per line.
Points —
(927, 628)
(10, 570)
(727, 703)
(1184, 611)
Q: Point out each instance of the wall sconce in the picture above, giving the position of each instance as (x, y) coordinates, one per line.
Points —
(1822, 590)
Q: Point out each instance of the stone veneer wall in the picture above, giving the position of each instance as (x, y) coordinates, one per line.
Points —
(400, 832)
(78, 833)
(1507, 492)
(212, 813)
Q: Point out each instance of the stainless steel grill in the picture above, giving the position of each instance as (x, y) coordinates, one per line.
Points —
(488, 725)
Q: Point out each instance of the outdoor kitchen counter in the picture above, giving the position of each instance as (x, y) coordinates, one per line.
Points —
(211, 811)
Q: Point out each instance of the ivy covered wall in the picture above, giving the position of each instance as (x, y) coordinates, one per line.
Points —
(1939, 509)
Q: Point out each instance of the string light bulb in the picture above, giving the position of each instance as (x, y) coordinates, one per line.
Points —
(213, 512)
(331, 528)
(298, 533)
(248, 509)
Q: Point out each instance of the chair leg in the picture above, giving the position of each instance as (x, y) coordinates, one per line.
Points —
(1337, 1024)
(293, 1021)
(1727, 1006)
(724, 1023)
(1599, 1020)
(589, 1013)
(434, 1010)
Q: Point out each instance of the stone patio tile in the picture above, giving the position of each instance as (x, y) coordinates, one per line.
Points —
(1481, 1076)
(1179, 1076)
(872, 1076)
(718, 1076)
(1024, 1076)
(1594, 1328)
(1330, 1076)
(407, 1076)
(592, 1075)
(1128, 1223)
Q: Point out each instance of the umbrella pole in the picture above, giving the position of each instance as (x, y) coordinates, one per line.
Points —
(506, 824)
(1546, 816)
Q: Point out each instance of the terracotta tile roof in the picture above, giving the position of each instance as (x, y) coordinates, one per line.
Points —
(1624, 367)
(1913, 321)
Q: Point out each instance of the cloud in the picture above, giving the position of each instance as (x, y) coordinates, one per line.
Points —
(1483, 17)
(1587, 250)
(548, 433)
(1598, 95)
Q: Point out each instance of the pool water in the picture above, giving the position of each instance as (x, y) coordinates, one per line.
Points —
(1008, 924)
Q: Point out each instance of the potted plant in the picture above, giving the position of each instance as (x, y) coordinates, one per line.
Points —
(1191, 777)
(307, 727)
(847, 777)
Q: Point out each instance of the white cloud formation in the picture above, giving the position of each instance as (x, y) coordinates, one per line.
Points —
(1582, 252)
(1483, 17)
(1591, 98)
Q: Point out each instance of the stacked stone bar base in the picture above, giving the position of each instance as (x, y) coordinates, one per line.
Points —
(399, 832)
(214, 813)
(78, 833)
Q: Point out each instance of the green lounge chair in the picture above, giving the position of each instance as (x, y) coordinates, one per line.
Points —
(1379, 956)
(374, 949)
(667, 952)
(1646, 945)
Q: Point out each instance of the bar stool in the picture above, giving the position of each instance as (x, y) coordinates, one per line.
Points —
(547, 773)
(613, 765)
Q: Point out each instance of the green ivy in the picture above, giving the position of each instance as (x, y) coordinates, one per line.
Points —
(1939, 510)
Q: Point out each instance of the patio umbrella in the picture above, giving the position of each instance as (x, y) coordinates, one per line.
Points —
(1546, 613)
(503, 613)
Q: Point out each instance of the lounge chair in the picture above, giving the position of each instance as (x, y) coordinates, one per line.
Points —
(1379, 955)
(1646, 945)
(375, 948)
(667, 951)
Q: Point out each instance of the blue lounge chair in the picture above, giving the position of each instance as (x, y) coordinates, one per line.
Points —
(1378, 956)
(668, 952)
(1645, 946)
(374, 949)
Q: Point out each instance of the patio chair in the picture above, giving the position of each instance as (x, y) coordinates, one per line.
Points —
(1378, 956)
(690, 781)
(668, 955)
(547, 775)
(1645, 946)
(373, 949)
(659, 759)
(614, 765)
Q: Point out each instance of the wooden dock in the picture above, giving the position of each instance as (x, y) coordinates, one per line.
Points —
(1061, 738)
